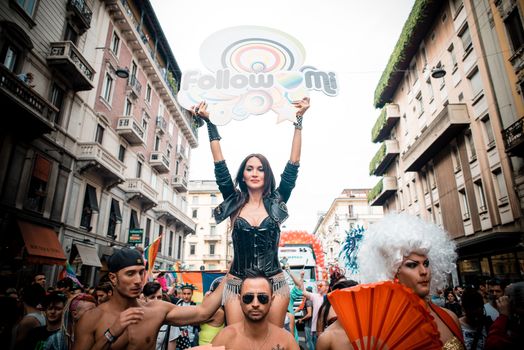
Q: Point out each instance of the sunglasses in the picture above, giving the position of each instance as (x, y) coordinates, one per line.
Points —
(248, 298)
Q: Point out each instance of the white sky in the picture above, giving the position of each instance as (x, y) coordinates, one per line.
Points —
(352, 38)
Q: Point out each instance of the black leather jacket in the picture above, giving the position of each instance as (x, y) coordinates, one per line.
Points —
(255, 246)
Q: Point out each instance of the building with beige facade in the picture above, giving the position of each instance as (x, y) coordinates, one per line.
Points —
(209, 246)
(96, 153)
(348, 211)
(442, 153)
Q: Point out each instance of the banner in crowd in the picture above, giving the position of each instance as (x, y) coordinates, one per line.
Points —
(199, 279)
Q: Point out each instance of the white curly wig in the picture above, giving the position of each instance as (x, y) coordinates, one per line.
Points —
(396, 236)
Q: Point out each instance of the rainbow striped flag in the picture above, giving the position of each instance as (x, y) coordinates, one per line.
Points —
(69, 272)
(151, 252)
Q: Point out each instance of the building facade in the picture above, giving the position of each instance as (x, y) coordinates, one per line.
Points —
(209, 246)
(350, 210)
(101, 158)
(442, 155)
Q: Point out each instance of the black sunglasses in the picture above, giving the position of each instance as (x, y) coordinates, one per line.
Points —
(248, 298)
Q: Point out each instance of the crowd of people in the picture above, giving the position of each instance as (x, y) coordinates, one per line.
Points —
(254, 306)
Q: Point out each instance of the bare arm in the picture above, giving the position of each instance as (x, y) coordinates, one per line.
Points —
(299, 282)
(224, 336)
(180, 316)
(324, 341)
(296, 145)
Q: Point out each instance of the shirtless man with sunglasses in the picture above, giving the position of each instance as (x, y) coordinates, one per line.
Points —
(255, 331)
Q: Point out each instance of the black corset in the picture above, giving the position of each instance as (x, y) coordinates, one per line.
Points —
(255, 247)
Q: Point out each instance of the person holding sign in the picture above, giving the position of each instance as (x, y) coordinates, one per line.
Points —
(256, 208)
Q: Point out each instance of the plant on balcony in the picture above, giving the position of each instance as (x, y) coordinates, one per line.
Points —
(379, 124)
(375, 191)
(377, 159)
(397, 58)
(172, 82)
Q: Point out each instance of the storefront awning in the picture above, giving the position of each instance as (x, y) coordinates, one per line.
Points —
(88, 255)
(42, 244)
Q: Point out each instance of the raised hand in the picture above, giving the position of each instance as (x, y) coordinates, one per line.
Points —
(201, 110)
(301, 105)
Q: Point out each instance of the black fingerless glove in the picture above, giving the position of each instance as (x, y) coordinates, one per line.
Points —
(212, 131)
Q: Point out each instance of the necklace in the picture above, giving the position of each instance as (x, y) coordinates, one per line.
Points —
(253, 343)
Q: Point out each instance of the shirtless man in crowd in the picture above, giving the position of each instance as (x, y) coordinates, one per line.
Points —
(255, 331)
(124, 322)
(333, 338)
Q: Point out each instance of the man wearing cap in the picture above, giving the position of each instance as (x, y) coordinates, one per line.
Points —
(187, 335)
(125, 321)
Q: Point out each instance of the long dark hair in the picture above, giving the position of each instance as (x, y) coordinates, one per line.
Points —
(269, 178)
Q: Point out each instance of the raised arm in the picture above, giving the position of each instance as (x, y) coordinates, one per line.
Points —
(214, 137)
(296, 145)
(185, 315)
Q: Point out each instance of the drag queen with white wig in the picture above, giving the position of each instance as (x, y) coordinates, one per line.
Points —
(418, 255)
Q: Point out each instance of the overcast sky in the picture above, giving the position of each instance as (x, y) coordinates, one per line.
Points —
(352, 38)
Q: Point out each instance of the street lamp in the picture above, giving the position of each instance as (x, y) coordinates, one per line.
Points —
(438, 72)
(122, 72)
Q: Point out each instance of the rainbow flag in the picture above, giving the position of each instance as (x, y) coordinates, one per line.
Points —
(151, 252)
(69, 272)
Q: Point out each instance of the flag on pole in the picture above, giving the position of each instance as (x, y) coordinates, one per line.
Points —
(151, 252)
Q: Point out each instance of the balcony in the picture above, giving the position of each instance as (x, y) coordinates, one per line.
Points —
(214, 257)
(80, 15)
(160, 162)
(451, 120)
(383, 158)
(32, 112)
(517, 59)
(71, 65)
(212, 238)
(93, 157)
(137, 189)
(161, 125)
(384, 189)
(130, 130)
(179, 183)
(174, 214)
(514, 139)
(181, 152)
(387, 119)
(134, 86)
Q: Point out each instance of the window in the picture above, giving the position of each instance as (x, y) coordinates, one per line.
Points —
(168, 150)
(10, 57)
(401, 199)
(405, 122)
(90, 205)
(213, 198)
(432, 180)
(179, 248)
(28, 6)
(453, 56)
(481, 199)
(99, 136)
(476, 83)
(414, 190)
(195, 214)
(212, 211)
(157, 143)
(115, 43)
(57, 99)
(488, 132)
(457, 5)
(408, 194)
(424, 180)
(429, 88)
(500, 186)
(420, 104)
(37, 193)
(170, 245)
(470, 146)
(212, 249)
(71, 34)
(128, 109)
(413, 72)
(515, 29)
(212, 229)
(133, 220)
(465, 36)
(148, 93)
(147, 239)
(138, 169)
(351, 212)
(108, 86)
(192, 249)
(145, 123)
(194, 200)
(464, 206)
(115, 217)
(121, 153)
(455, 158)
(134, 70)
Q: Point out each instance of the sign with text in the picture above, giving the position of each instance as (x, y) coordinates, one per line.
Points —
(252, 70)
(135, 236)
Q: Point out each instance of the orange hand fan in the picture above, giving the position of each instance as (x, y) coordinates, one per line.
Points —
(385, 315)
